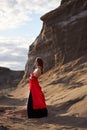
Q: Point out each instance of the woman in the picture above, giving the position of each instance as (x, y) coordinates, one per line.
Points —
(36, 107)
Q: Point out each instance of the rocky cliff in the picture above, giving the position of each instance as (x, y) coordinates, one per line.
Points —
(9, 78)
(63, 36)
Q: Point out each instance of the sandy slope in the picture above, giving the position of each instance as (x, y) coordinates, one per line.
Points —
(65, 89)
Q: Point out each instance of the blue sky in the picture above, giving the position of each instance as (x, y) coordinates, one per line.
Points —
(20, 24)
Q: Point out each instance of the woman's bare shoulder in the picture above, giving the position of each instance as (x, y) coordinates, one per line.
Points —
(37, 72)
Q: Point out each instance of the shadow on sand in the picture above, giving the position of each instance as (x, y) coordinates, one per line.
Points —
(55, 118)
(5, 100)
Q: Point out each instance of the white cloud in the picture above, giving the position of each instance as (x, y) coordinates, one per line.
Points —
(11, 15)
(12, 65)
(14, 13)
(13, 52)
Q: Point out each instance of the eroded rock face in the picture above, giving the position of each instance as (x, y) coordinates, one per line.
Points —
(63, 36)
(65, 1)
(3, 128)
(9, 78)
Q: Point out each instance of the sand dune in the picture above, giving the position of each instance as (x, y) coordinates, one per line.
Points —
(65, 89)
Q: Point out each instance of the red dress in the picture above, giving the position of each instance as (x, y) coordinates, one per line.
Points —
(36, 103)
(37, 94)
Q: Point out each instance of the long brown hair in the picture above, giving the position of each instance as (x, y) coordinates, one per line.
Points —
(40, 63)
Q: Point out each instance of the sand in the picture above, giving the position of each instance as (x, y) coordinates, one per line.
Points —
(65, 90)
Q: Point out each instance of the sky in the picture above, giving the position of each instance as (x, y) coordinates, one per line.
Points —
(20, 24)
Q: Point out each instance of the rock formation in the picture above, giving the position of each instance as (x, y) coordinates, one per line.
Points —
(9, 78)
(63, 36)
